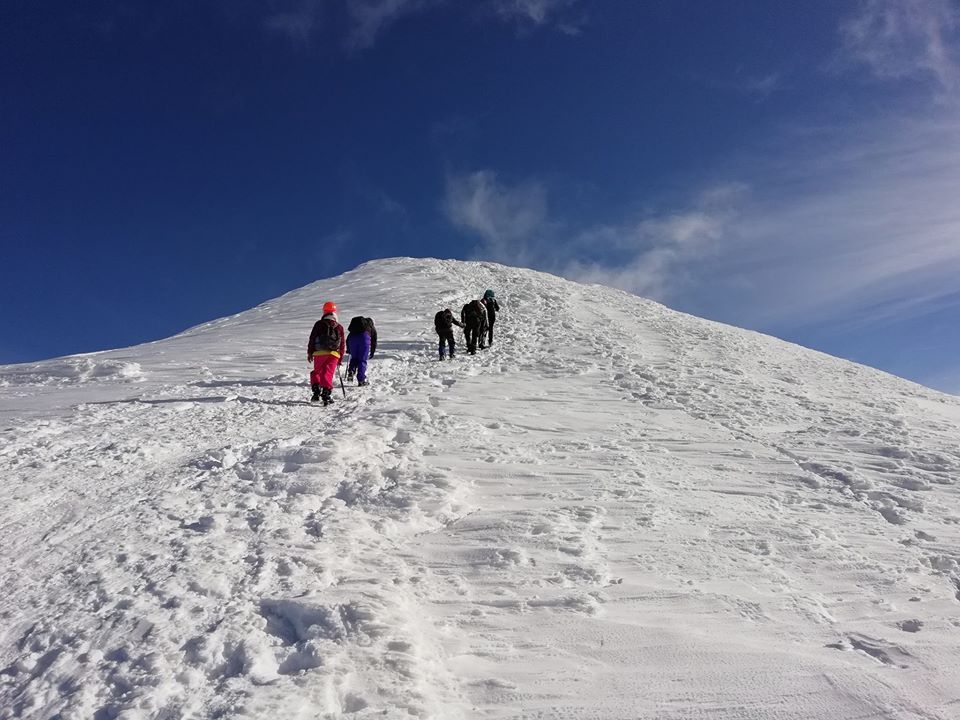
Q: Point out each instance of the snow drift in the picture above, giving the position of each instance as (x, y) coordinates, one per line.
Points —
(618, 511)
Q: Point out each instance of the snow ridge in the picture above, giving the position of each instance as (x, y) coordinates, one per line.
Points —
(617, 511)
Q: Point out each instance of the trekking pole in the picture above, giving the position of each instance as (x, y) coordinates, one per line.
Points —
(340, 375)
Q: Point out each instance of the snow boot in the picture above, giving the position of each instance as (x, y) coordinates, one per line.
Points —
(327, 399)
(316, 393)
(362, 383)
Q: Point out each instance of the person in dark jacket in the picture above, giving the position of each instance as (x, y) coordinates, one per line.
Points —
(372, 330)
(493, 307)
(474, 318)
(443, 323)
(325, 348)
(360, 345)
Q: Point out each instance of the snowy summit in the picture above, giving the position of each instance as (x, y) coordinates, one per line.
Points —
(617, 511)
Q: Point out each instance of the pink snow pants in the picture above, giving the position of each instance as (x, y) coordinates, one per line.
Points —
(324, 368)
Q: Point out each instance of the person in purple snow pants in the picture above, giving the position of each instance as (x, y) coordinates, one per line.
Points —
(358, 346)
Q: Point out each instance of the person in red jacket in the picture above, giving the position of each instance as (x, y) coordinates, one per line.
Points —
(325, 350)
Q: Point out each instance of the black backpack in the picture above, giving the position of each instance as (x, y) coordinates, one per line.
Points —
(475, 311)
(357, 325)
(327, 337)
(443, 321)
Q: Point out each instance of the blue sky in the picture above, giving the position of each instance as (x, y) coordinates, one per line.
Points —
(788, 167)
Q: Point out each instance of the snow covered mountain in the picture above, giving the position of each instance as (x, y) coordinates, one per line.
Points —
(618, 511)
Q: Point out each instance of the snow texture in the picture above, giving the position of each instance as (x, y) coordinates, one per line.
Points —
(618, 511)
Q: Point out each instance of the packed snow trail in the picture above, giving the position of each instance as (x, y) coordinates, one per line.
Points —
(618, 511)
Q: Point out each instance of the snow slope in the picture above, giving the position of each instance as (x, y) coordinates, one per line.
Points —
(619, 511)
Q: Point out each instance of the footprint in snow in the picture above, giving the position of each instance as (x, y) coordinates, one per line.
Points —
(880, 650)
(910, 626)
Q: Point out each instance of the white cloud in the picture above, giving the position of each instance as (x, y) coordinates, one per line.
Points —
(391, 207)
(865, 228)
(846, 233)
(762, 84)
(643, 256)
(332, 243)
(861, 228)
(298, 22)
(366, 20)
(758, 85)
(649, 256)
(838, 231)
(369, 18)
(537, 13)
(904, 39)
(511, 220)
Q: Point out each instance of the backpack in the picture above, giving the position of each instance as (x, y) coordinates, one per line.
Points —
(327, 337)
(475, 310)
(358, 325)
(443, 321)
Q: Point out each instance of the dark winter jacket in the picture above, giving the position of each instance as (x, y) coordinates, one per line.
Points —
(318, 329)
(474, 314)
(361, 324)
(444, 321)
(359, 344)
(372, 330)
(493, 307)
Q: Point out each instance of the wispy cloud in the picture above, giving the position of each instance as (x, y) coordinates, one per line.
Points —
(370, 18)
(514, 226)
(393, 207)
(538, 13)
(840, 229)
(360, 21)
(761, 85)
(863, 228)
(511, 219)
(365, 21)
(649, 256)
(331, 244)
(298, 23)
(758, 85)
(906, 39)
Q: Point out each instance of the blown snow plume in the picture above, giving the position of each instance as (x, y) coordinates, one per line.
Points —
(617, 511)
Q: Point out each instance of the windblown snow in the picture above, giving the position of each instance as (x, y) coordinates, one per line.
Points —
(617, 511)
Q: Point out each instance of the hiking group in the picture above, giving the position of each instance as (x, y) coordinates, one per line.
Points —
(476, 319)
(328, 344)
